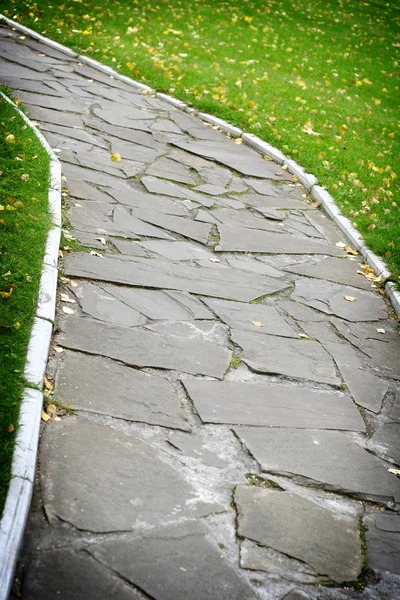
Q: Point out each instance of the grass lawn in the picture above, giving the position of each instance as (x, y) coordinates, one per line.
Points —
(24, 223)
(319, 80)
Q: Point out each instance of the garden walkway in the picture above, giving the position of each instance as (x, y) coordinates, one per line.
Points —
(232, 372)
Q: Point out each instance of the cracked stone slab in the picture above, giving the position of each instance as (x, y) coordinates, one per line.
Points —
(272, 405)
(54, 102)
(236, 239)
(332, 460)
(186, 227)
(141, 138)
(141, 348)
(167, 188)
(177, 250)
(386, 442)
(330, 298)
(241, 159)
(244, 218)
(338, 270)
(170, 169)
(175, 563)
(132, 151)
(196, 447)
(383, 542)
(367, 389)
(302, 359)
(249, 263)
(69, 574)
(94, 176)
(291, 524)
(49, 115)
(152, 202)
(128, 248)
(264, 204)
(104, 306)
(223, 283)
(124, 486)
(301, 312)
(243, 316)
(98, 385)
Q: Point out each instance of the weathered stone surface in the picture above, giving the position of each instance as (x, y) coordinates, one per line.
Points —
(152, 202)
(245, 219)
(292, 525)
(170, 169)
(294, 358)
(67, 574)
(249, 263)
(320, 331)
(295, 225)
(236, 239)
(98, 385)
(176, 562)
(129, 248)
(141, 348)
(330, 298)
(329, 459)
(222, 283)
(212, 190)
(124, 486)
(133, 151)
(49, 115)
(296, 595)
(177, 250)
(167, 188)
(383, 542)
(386, 442)
(367, 389)
(53, 102)
(196, 447)
(186, 227)
(102, 305)
(241, 159)
(264, 204)
(272, 405)
(301, 312)
(338, 270)
(243, 316)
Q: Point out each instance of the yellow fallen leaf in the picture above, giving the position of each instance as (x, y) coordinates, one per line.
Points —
(10, 139)
(17, 325)
(257, 324)
(10, 428)
(350, 250)
(73, 283)
(47, 384)
(51, 410)
(7, 294)
(66, 298)
(67, 310)
(304, 336)
(45, 417)
(350, 298)
(116, 157)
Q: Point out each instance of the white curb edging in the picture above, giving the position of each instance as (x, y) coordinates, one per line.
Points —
(19, 493)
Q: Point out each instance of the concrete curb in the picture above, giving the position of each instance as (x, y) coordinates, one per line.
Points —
(19, 494)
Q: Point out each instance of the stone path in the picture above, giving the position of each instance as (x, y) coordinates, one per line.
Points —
(234, 378)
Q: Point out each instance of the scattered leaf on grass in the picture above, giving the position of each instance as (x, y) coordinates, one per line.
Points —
(10, 428)
(67, 310)
(10, 139)
(350, 298)
(25, 176)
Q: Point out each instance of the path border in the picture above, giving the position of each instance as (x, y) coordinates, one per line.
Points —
(317, 192)
(19, 495)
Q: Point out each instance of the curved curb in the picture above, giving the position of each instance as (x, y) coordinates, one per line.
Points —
(309, 181)
(19, 493)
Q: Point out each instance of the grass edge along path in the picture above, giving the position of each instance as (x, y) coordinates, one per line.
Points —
(24, 224)
(319, 82)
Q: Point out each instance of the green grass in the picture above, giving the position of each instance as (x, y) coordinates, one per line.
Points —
(24, 223)
(284, 70)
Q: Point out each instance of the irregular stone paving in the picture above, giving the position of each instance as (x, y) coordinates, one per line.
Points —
(235, 426)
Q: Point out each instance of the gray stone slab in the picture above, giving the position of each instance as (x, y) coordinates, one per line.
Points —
(129, 248)
(272, 405)
(240, 158)
(71, 105)
(383, 542)
(75, 134)
(175, 563)
(301, 312)
(249, 263)
(367, 389)
(177, 250)
(296, 594)
(124, 486)
(258, 318)
(244, 219)
(292, 525)
(141, 138)
(90, 240)
(98, 385)
(301, 358)
(165, 305)
(170, 169)
(330, 298)
(237, 239)
(221, 283)
(217, 176)
(186, 227)
(143, 348)
(104, 306)
(152, 202)
(29, 85)
(212, 190)
(48, 115)
(94, 176)
(296, 226)
(327, 459)
(386, 442)
(264, 204)
(338, 270)
(195, 446)
(167, 126)
(68, 574)
(167, 188)
(324, 333)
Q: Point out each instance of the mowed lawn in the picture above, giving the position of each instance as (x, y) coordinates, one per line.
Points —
(319, 80)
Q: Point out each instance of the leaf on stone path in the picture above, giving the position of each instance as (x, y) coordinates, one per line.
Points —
(47, 384)
(238, 141)
(381, 330)
(215, 260)
(58, 349)
(394, 471)
(93, 253)
(73, 283)
(116, 157)
(51, 410)
(350, 298)
(45, 417)
(304, 336)
(102, 240)
(66, 298)
(350, 250)
(317, 204)
(67, 310)
(341, 245)
(257, 324)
